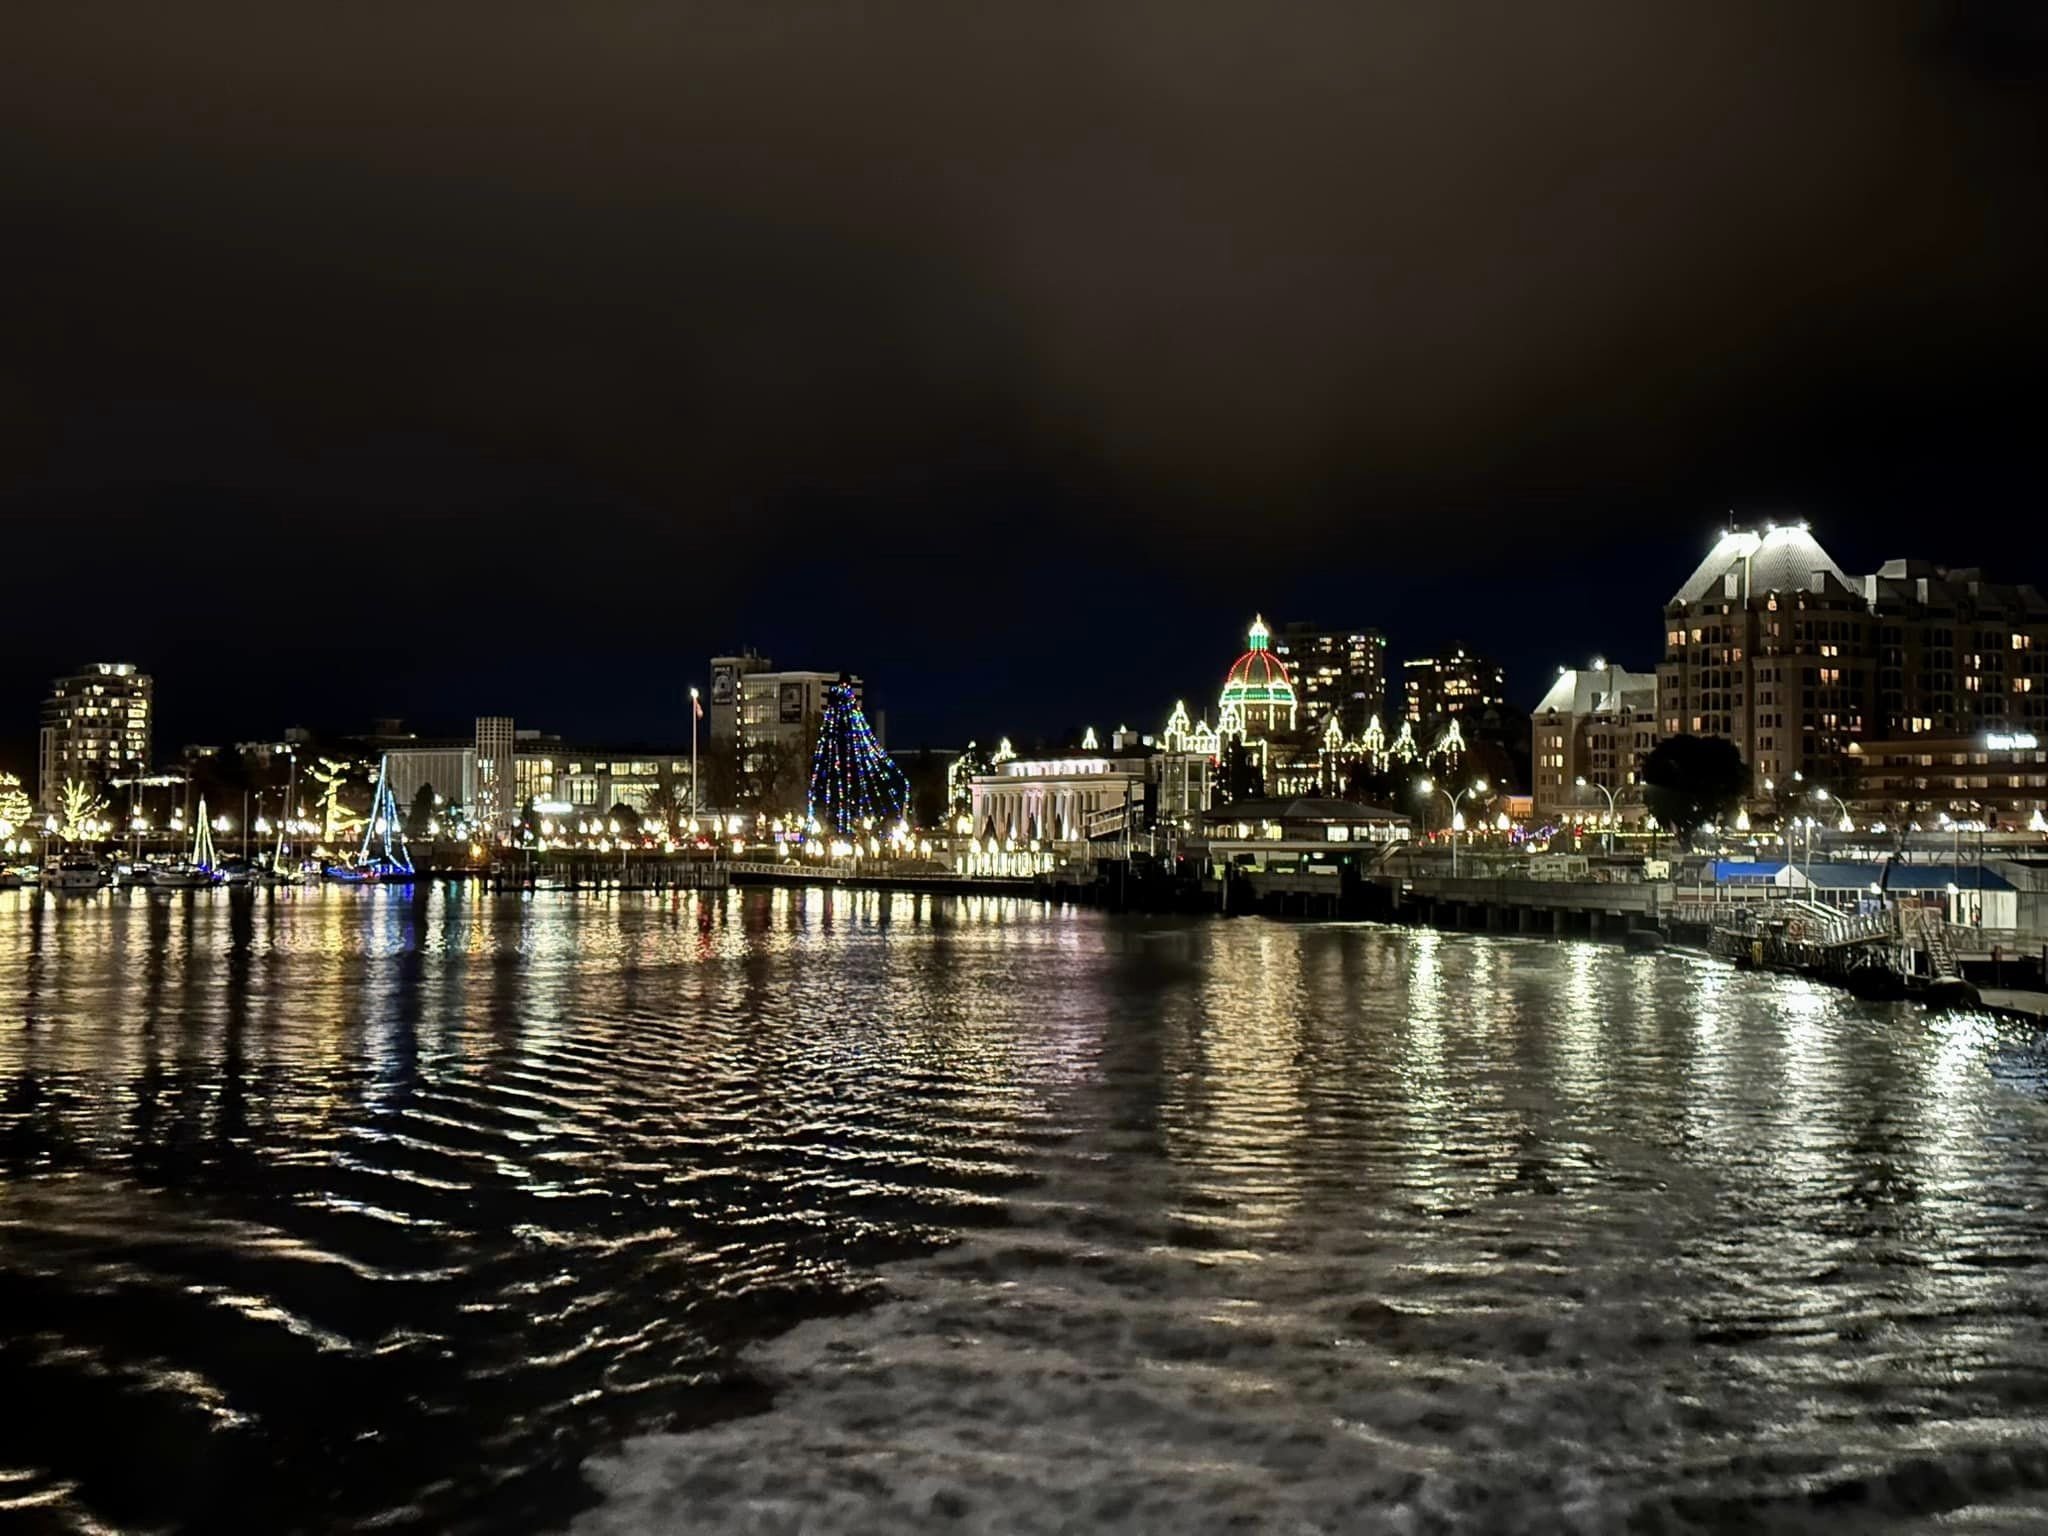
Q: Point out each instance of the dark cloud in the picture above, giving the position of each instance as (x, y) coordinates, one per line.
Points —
(938, 322)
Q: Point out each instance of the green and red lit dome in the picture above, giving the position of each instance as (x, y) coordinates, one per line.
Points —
(1258, 677)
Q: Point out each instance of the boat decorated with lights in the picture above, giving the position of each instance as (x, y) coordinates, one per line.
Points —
(196, 870)
(383, 858)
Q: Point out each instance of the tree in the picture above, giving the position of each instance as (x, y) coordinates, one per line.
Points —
(854, 783)
(1392, 785)
(79, 804)
(627, 818)
(1688, 780)
(338, 822)
(661, 811)
(1241, 776)
(15, 806)
(718, 776)
(529, 820)
(420, 814)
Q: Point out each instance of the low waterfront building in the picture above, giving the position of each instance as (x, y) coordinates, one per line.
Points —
(1055, 808)
(1969, 894)
(1999, 778)
(1304, 835)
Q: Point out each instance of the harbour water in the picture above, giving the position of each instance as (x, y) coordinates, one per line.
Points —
(772, 1211)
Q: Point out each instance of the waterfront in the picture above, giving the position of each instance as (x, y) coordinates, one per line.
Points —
(326, 1207)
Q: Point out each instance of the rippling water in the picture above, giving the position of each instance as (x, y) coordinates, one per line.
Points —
(775, 1212)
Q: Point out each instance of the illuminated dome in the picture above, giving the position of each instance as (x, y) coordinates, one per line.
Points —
(1257, 689)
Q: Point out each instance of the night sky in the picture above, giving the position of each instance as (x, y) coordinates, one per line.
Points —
(431, 361)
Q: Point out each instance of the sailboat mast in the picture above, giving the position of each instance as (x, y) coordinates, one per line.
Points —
(291, 809)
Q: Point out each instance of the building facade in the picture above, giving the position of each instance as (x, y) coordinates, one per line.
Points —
(98, 724)
(1061, 804)
(1451, 683)
(448, 768)
(1336, 672)
(722, 709)
(1774, 646)
(1258, 702)
(779, 711)
(1597, 723)
(1998, 779)
(496, 802)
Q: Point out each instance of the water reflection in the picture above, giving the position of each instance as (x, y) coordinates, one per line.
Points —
(347, 1207)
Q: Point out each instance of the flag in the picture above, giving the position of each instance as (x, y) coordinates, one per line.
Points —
(696, 707)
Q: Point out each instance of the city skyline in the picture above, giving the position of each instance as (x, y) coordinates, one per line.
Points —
(1037, 703)
(1451, 327)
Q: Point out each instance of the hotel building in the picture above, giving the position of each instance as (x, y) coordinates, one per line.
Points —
(1772, 645)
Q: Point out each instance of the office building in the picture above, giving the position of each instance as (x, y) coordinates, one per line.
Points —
(97, 726)
(722, 709)
(779, 712)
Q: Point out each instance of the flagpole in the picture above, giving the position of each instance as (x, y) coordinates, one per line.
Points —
(696, 710)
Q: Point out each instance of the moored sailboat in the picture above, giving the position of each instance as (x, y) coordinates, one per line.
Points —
(197, 868)
(383, 858)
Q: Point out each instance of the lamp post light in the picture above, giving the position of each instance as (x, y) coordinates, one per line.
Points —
(1431, 787)
(1612, 814)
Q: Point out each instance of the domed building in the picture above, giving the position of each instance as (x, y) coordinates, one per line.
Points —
(1258, 700)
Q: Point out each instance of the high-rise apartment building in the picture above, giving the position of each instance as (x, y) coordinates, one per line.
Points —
(1774, 646)
(1336, 671)
(97, 725)
(1453, 682)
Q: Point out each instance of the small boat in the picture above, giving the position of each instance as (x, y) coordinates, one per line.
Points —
(10, 880)
(73, 872)
(373, 873)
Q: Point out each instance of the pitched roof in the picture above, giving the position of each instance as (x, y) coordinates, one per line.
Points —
(1588, 689)
(1781, 559)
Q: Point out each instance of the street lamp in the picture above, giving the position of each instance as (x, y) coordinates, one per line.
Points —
(1431, 787)
(1612, 814)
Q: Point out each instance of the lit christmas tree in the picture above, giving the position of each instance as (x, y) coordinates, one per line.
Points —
(853, 782)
